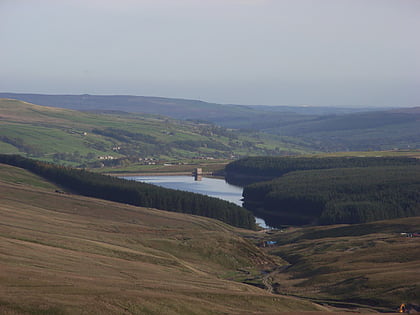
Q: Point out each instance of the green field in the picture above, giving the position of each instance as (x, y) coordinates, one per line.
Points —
(104, 140)
(294, 129)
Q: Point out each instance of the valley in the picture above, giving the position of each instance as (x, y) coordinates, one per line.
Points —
(72, 243)
(294, 129)
(185, 157)
(372, 264)
(68, 254)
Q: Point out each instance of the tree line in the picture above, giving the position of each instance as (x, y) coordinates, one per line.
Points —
(125, 135)
(130, 192)
(338, 195)
(254, 169)
(21, 145)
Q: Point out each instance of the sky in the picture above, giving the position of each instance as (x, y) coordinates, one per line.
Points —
(260, 52)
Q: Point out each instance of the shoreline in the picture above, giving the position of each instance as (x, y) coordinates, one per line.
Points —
(208, 174)
(259, 221)
(149, 174)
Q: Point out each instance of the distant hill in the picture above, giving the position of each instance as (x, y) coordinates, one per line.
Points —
(354, 121)
(176, 108)
(375, 130)
(411, 110)
(181, 108)
(326, 129)
(91, 139)
(236, 116)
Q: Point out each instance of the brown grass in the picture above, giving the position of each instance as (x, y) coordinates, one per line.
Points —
(66, 254)
(368, 265)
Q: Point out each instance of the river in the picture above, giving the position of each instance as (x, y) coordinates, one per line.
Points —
(212, 187)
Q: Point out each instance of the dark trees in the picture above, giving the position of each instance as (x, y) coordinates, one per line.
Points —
(135, 193)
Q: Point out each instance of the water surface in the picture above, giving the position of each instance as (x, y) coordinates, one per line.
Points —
(212, 187)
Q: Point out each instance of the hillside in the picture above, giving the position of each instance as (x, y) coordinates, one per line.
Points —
(229, 116)
(130, 192)
(67, 254)
(326, 129)
(341, 195)
(351, 265)
(261, 168)
(328, 190)
(173, 107)
(95, 140)
(376, 130)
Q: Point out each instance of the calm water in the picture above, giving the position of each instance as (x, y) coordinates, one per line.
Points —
(207, 186)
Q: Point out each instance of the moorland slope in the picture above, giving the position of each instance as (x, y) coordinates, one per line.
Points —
(373, 264)
(67, 254)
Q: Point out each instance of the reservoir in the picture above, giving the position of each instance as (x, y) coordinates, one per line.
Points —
(212, 187)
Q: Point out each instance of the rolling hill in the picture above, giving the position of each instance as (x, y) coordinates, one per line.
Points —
(66, 254)
(376, 130)
(326, 129)
(351, 265)
(328, 190)
(94, 140)
(172, 107)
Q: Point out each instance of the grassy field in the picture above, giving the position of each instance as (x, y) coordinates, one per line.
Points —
(353, 265)
(79, 138)
(66, 254)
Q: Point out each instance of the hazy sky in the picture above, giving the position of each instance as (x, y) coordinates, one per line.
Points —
(274, 52)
